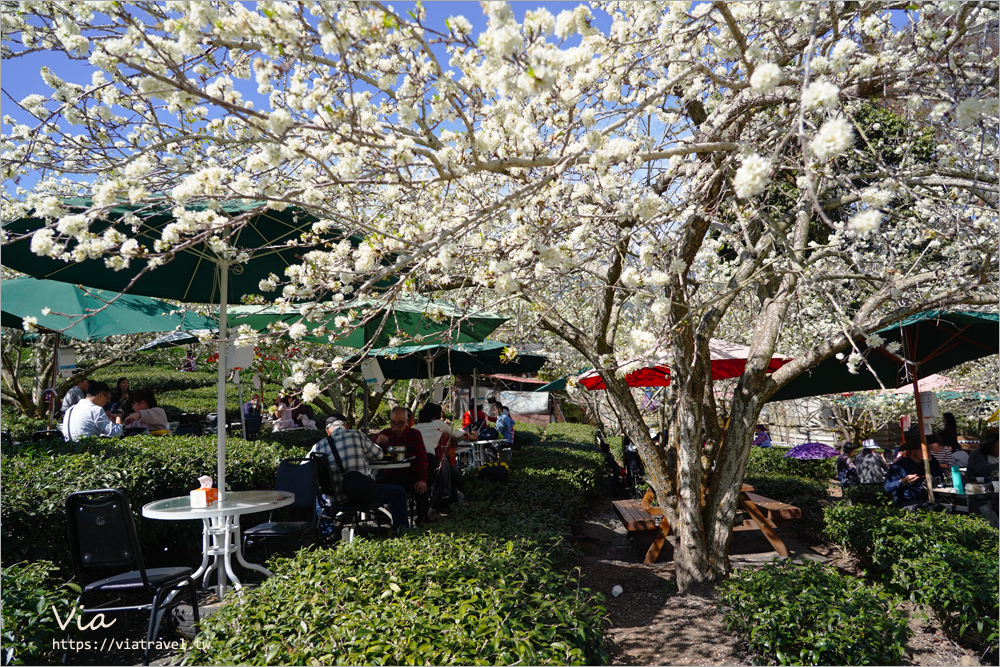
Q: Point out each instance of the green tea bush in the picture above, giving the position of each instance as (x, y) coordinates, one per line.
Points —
(873, 495)
(199, 401)
(29, 626)
(158, 379)
(486, 586)
(527, 435)
(945, 562)
(567, 432)
(806, 494)
(300, 441)
(772, 461)
(809, 614)
(21, 427)
(430, 599)
(38, 477)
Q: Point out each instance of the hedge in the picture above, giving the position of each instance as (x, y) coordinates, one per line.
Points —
(29, 626)
(22, 428)
(38, 477)
(157, 379)
(488, 586)
(567, 432)
(945, 562)
(810, 614)
(772, 461)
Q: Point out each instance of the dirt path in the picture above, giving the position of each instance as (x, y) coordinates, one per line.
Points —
(649, 624)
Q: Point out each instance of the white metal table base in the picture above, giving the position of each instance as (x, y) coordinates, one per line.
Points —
(221, 537)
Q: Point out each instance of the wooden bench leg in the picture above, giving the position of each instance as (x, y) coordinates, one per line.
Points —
(659, 538)
(764, 525)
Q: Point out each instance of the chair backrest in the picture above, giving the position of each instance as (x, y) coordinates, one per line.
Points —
(323, 475)
(253, 423)
(102, 532)
(188, 429)
(299, 477)
(8, 439)
(46, 434)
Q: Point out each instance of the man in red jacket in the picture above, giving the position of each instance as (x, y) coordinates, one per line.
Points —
(414, 478)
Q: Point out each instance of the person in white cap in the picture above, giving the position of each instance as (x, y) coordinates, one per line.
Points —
(871, 463)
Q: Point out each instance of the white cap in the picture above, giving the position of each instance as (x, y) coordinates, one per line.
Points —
(870, 444)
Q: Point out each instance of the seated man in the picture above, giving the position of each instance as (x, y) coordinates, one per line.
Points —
(355, 452)
(88, 416)
(414, 478)
(871, 463)
(905, 480)
(75, 394)
(505, 424)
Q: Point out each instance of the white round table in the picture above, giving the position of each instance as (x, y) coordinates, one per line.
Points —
(221, 534)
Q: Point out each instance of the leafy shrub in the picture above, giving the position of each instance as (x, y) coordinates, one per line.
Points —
(38, 477)
(199, 401)
(487, 586)
(809, 614)
(873, 495)
(29, 627)
(527, 435)
(959, 586)
(21, 427)
(806, 494)
(567, 432)
(945, 562)
(772, 461)
(298, 439)
(158, 380)
(432, 599)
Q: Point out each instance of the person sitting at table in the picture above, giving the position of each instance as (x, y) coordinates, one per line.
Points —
(253, 406)
(190, 363)
(414, 478)
(983, 462)
(439, 439)
(480, 419)
(146, 413)
(939, 451)
(870, 463)
(121, 397)
(283, 414)
(88, 416)
(75, 394)
(355, 452)
(905, 480)
(847, 472)
(504, 423)
(960, 457)
(762, 438)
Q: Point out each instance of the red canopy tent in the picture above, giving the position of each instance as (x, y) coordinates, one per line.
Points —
(728, 361)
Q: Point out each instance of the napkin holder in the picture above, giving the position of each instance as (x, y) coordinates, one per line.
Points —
(204, 496)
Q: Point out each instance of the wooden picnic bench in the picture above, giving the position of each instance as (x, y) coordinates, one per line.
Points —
(641, 518)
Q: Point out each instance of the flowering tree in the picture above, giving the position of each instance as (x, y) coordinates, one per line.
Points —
(630, 184)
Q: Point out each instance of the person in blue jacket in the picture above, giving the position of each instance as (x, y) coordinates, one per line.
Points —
(906, 481)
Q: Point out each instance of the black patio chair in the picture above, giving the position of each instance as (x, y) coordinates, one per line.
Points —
(297, 476)
(103, 543)
(46, 434)
(351, 516)
(253, 426)
(7, 438)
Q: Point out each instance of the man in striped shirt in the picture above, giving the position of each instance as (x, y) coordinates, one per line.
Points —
(355, 452)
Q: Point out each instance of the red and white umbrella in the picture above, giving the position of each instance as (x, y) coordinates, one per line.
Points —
(728, 361)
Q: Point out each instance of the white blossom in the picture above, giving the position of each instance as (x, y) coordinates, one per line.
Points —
(834, 138)
(865, 221)
(821, 94)
(752, 177)
(765, 77)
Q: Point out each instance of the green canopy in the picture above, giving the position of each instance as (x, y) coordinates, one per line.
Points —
(933, 341)
(271, 238)
(555, 385)
(421, 361)
(419, 319)
(126, 314)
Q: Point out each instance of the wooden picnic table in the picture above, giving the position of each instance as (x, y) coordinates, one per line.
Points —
(765, 515)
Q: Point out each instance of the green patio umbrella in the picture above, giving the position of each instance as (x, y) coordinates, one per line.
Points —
(929, 342)
(420, 319)
(122, 313)
(107, 313)
(426, 361)
(271, 240)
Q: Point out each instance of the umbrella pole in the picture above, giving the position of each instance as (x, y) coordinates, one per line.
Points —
(910, 353)
(243, 417)
(55, 375)
(221, 398)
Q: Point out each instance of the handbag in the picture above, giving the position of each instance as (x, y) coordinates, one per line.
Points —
(357, 486)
